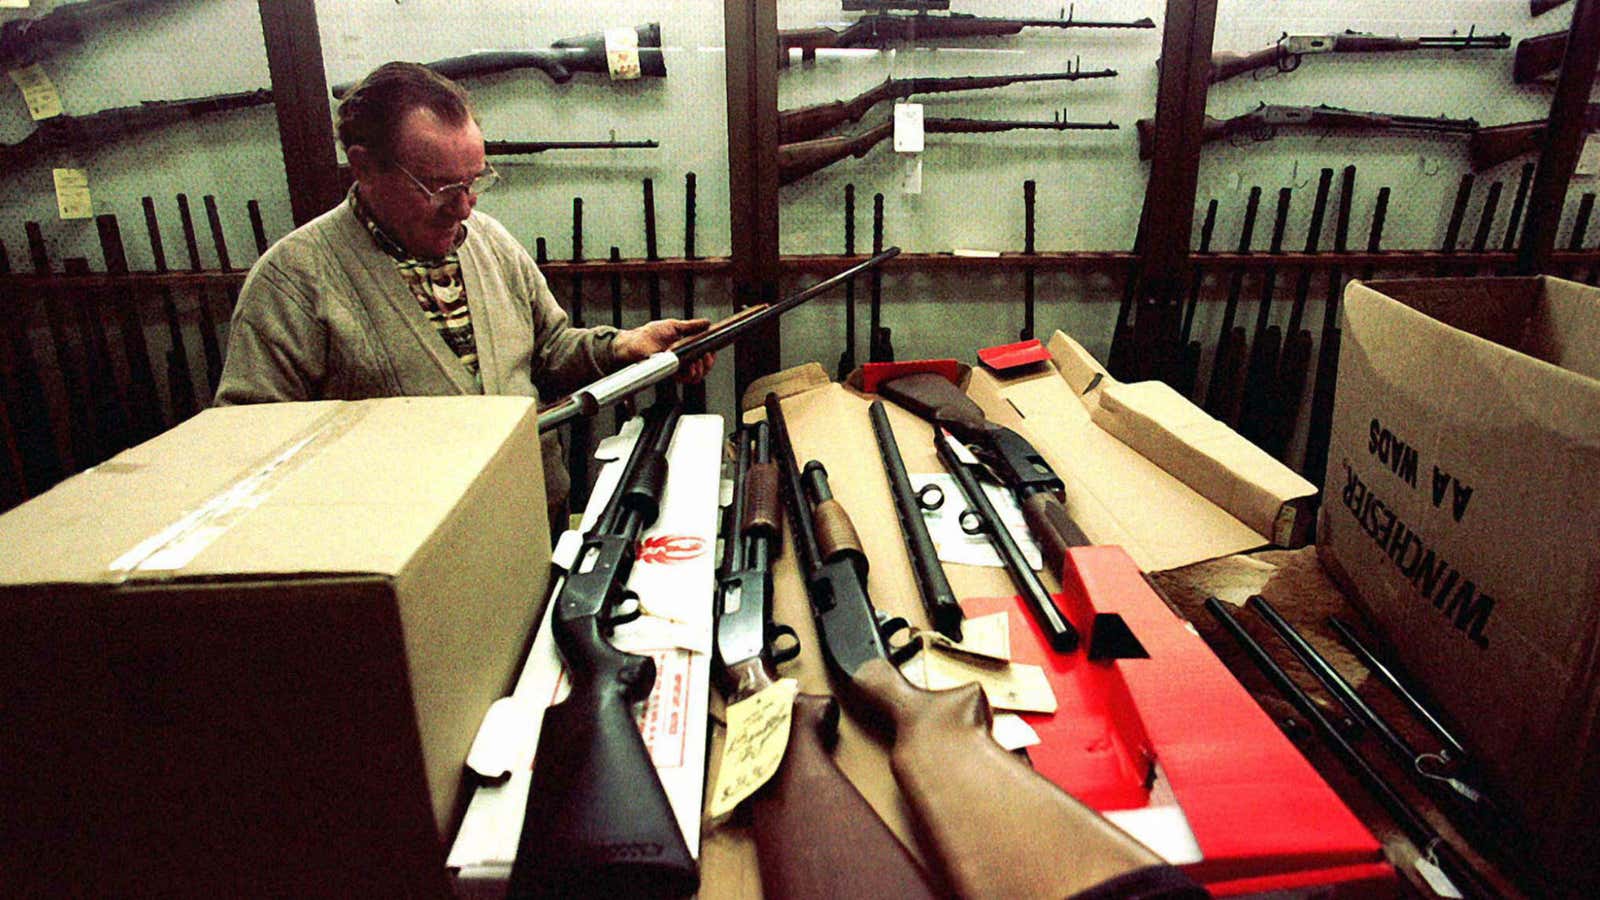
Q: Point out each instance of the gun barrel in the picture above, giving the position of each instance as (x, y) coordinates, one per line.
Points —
(1467, 41)
(943, 608)
(499, 148)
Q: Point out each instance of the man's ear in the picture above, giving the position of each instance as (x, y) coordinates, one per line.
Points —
(362, 162)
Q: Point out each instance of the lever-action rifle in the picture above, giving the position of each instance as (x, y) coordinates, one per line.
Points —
(598, 820)
(20, 38)
(511, 148)
(879, 29)
(1285, 54)
(1263, 122)
(1013, 461)
(809, 122)
(601, 393)
(801, 158)
(1492, 145)
(63, 132)
(585, 53)
(816, 836)
(992, 825)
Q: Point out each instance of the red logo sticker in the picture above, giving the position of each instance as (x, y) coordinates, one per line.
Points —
(670, 548)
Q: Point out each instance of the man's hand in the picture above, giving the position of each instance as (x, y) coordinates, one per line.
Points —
(652, 337)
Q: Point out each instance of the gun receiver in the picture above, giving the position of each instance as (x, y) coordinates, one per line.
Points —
(801, 158)
(944, 611)
(98, 128)
(810, 803)
(1014, 462)
(1494, 144)
(1263, 122)
(981, 518)
(585, 53)
(879, 29)
(598, 819)
(810, 122)
(601, 393)
(964, 814)
(1285, 54)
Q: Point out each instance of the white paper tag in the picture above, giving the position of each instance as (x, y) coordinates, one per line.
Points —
(1438, 880)
(911, 178)
(72, 193)
(13, 4)
(1012, 732)
(1588, 157)
(758, 734)
(622, 54)
(908, 128)
(497, 749)
(38, 91)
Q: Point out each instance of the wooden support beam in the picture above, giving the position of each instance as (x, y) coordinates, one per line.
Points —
(1563, 140)
(751, 36)
(300, 93)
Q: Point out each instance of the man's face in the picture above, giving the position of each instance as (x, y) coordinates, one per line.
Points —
(438, 155)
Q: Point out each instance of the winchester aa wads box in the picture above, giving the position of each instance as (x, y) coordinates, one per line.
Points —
(1462, 508)
(248, 657)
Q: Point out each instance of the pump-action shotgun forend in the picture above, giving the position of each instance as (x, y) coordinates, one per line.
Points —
(1285, 54)
(585, 53)
(879, 29)
(606, 390)
(801, 158)
(1263, 122)
(807, 122)
(993, 826)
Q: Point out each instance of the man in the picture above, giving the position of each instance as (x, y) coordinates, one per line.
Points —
(403, 289)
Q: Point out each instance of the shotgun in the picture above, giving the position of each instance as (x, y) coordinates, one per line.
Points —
(993, 826)
(1014, 462)
(1285, 54)
(585, 53)
(598, 820)
(816, 835)
(595, 396)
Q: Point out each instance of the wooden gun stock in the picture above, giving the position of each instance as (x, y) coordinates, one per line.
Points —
(816, 836)
(1539, 56)
(1227, 64)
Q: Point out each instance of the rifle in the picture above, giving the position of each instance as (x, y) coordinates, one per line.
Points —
(1540, 7)
(595, 396)
(1320, 423)
(1014, 462)
(944, 611)
(1538, 56)
(598, 819)
(694, 395)
(1029, 201)
(964, 814)
(1495, 144)
(880, 347)
(585, 53)
(848, 850)
(20, 39)
(1263, 122)
(1223, 363)
(513, 148)
(1190, 370)
(64, 132)
(1285, 54)
(1243, 379)
(808, 122)
(847, 359)
(801, 158)
(879, 29)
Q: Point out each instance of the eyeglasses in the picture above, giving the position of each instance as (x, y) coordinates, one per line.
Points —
(446, 195)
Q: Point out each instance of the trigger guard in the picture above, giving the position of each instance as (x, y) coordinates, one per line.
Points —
(785, 652)
(626, 610)
(930, 497)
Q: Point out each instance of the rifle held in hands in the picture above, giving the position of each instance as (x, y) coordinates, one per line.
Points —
(598, 820)
(801, 158)
(986, 820)
(1263, 122)
(809, 122)
(601, 393)
(585, 53)
(878, 29)
(1285, 54)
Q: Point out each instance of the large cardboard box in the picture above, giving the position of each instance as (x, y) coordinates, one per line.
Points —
(248, 657)
(1461, 511)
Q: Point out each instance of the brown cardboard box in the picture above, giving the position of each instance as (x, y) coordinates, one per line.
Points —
(1461, 512)
(248, 657)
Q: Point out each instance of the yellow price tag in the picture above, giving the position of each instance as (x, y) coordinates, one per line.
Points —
(72, 193)
(757, 735)
(38, 91)
(13, 4)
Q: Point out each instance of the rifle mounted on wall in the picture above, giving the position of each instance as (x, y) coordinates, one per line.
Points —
(21, 39)
(519, 148)
(881, 29)
(1263, 122)
(1285, 54)
(72, 132)
(1495, 144)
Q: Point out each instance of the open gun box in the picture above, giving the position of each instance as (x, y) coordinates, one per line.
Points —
(247, 657)
(1170, 747)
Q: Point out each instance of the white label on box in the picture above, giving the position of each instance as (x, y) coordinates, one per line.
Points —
(1589, 157)
(622, 54)
(908, 128)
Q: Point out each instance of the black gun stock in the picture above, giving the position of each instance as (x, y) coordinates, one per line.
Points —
(585, 53)
(598, 821)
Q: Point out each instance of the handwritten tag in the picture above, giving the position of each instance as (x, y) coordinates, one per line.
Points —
(622, 54)
(757, 735)
(908, 128)
(72, 193)
(38, 91)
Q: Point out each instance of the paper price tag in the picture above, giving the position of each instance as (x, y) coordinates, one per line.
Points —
(908, 128)
(911, 183)
(13, 4)
(1589, 157)
(757, 735)
(72, 193)
(38, 91)
(622, 54)
(1438, 880)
